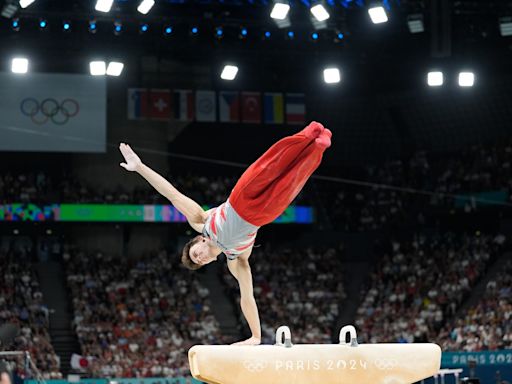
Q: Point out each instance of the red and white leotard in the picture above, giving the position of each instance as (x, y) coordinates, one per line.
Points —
(232, 234)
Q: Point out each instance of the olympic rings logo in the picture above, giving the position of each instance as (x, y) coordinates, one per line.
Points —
(255, 366)
(385, 364)
(49, 109)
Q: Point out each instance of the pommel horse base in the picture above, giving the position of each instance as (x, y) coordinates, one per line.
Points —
(285, 363)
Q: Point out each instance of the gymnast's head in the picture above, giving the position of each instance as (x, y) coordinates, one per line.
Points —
(198, 252)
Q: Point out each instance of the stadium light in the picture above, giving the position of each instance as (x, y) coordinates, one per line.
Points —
(280, 11)
(415, 23)
(98, 68)
(319, 12)
(25, 3)
(332, 75)
(435, 79)
(115, 68)
(229, 72)
(104, 5)
(466, 79)
(378, 15)
(145, 6)
(19, 65)
(506, 26)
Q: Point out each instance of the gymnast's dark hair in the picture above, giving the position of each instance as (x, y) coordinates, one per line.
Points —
(185, 254)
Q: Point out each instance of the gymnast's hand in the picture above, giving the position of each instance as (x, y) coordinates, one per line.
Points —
(250, 341)
(133, 161)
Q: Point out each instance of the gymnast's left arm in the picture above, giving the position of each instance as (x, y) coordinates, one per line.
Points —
(241, 269)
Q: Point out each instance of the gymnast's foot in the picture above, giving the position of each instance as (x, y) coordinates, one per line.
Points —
(324, 140)
(313, 130)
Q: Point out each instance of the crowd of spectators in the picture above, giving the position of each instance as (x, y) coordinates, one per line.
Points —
(300, 288)
(21, 303)
(418, 285)
(486, 325)
(137, 317)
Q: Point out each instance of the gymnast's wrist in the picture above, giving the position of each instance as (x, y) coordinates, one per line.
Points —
(139, 167)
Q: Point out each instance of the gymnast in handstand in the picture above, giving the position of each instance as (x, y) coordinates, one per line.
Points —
(261, 195)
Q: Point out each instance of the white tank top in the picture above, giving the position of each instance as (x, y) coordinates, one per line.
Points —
(232, 234)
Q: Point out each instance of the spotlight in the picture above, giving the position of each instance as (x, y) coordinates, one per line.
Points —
(97, 68)
(314, 36)
(332, 75)
(280, 11)
(26, 3)
(66, 26)
(378, 15)
(145, 6)
(115, 68)
(219, 33)
(118, 28)
(42, 24)
(167, 30)
(466, 79)
(415, 23)
(506, 26)
(143, 28)
(194, 30)
(340, 36)
(267, 35)
(104, 5)
(229, 72)
(19, 65)
(243, 33)
(92, 26)
(435, 79)
(15, 25)
(291, 34)
(320, 12)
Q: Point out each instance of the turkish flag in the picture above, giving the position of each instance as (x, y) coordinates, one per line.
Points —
(251, 107)
(160, 104)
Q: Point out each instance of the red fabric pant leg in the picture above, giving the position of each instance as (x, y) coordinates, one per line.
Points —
(270, 184)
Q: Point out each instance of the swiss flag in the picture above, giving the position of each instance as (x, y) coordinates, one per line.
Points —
(160, 104)
(251, 107)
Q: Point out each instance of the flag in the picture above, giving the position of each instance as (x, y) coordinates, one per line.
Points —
(206, 108)
(138, 103)
(183, 105)
(160, 104)
(79, 362)
(295, 108)
(229, 107)
(251, 107)
(273, 108)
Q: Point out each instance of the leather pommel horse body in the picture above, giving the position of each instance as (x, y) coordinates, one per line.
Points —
(285, 363)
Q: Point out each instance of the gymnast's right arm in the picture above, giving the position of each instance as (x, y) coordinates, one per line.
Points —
(195, 215)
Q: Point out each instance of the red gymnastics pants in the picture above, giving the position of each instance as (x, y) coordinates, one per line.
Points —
(271, 183)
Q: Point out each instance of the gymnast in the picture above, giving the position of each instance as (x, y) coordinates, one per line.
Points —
(261, 195)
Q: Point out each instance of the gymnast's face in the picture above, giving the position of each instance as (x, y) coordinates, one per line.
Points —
(202, 253)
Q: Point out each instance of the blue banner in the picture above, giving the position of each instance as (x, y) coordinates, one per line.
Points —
(461, 359)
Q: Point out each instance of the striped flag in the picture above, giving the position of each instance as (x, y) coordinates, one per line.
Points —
(206, 108)
(138, 103)
(251, 107)
(183, 105)
(273, 108)
(295, 108)
(229, 107)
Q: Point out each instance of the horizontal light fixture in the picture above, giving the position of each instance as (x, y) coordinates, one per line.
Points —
(145, 6)
(98, 68)
(435, 79)
(466, 79)
(415, 23)
(104, 5)
(332, 75)
(320, 12)
(19, 65)
(506, 26)
(229, 72)
(280, 11)
(378, 15)
(115, 68)
(26, 3)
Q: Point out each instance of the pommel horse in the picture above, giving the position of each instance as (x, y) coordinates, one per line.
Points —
(284, 363)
